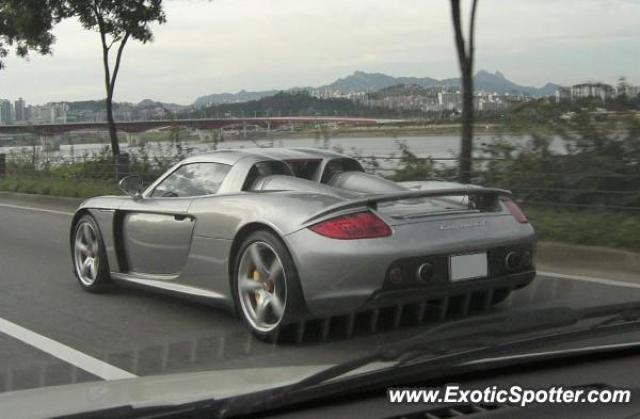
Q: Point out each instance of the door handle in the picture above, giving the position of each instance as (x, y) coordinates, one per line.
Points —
(180, 217)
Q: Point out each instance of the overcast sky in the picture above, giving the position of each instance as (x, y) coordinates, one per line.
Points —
(228, 45)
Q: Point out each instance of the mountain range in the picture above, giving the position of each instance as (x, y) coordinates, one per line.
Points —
(371, 82)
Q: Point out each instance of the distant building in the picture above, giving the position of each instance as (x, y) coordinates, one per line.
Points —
(602, 91)
(449, 100)
(563, 94)
(596, 90)
(58, 112)
(51, 113)
(628, 91)
(6, 112)
(20, 108)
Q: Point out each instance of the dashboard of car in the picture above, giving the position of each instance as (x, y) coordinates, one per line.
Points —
(612, 372)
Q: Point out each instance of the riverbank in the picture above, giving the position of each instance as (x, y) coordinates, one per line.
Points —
(391, 130)
(383, 130)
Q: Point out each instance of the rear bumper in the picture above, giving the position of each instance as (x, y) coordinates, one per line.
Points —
(343, 276)
(480, 290)
(385, 298)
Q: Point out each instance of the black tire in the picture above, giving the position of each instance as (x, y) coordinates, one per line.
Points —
(293, 305)
(500, 295)
(102, 281)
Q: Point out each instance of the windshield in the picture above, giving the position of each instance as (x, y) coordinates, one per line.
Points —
(435, 162)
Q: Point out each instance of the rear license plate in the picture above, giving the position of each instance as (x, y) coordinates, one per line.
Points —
(462, 267)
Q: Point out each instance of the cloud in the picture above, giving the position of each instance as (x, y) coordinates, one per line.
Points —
(228, 45)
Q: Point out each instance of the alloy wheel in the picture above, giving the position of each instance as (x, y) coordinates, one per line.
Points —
(262, 286)
(86, 257)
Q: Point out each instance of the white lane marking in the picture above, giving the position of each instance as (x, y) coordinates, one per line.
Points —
(36, 209)
(65, 353)
(604, 281)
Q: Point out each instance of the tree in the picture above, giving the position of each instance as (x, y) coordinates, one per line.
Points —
(117, 22)
(26, 25)
(465, 60)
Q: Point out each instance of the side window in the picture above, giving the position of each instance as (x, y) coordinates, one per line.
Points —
(194, 179)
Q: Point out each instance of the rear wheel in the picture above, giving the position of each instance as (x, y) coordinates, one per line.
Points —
(266, 287)
(89, 256)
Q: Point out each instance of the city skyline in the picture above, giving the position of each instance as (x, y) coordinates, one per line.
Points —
(312, 89)
(428, 100)
(299, 43)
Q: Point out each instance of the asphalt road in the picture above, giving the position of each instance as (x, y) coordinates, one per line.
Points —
(130, 331)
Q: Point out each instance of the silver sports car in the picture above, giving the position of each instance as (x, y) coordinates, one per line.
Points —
(286, 235)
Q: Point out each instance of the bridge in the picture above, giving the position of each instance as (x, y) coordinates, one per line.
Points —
(199, 124)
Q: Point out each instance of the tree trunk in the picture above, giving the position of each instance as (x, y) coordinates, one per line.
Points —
(465, 60)
(466, 144)
(113, 133)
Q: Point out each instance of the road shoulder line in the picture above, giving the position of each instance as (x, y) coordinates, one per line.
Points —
(63, 352)
(50, 211)
(603, 281)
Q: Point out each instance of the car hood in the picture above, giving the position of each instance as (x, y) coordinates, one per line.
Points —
(150, 391)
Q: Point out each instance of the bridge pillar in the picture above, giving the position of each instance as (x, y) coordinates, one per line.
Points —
(201, 137)
(133, 139)
(44, 142)
(122, 165)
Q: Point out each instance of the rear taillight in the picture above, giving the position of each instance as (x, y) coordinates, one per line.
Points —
(515, 210)
(361, 225)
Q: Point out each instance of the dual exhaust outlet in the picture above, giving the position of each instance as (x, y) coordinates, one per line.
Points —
(513, 262)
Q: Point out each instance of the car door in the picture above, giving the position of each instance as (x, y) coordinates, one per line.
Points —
(157, 230)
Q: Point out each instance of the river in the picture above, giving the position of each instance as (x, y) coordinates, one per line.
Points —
(440, 146)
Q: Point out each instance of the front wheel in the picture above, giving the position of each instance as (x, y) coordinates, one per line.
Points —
(266, 287)
(89, 256)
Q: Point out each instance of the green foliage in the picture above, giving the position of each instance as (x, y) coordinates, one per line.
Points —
(296, 104)
(47, 185)
(578, 178)
(620, 230)
(117, 19)
(578, 162)
(412, 167)
(26, 25)
(29, 170)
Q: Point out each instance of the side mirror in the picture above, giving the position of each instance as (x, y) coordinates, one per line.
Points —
(132, 186)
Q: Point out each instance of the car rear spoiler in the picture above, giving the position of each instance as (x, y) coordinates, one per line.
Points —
(490, 195)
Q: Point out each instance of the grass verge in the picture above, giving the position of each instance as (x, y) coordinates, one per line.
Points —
(590, 228)
(57, 187)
